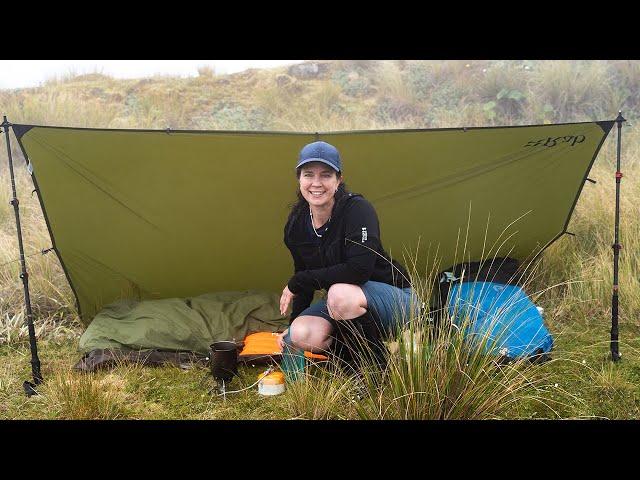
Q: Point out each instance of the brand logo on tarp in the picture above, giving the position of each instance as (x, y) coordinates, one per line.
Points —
(552, 142)
(364, 234)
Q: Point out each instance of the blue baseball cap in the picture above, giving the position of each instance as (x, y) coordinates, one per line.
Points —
(320, 152)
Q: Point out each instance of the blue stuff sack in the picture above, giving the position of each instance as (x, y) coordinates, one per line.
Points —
(505, 313)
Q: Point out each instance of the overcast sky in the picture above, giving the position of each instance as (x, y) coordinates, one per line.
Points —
(31, 73)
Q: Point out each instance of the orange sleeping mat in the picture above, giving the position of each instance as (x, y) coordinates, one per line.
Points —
(264, 345)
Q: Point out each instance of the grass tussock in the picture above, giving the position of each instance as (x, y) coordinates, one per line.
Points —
(324, 393)
(438, 366)
(445, 377)
(574, 90)
(13, 329)
(79, 396)
(8, 386)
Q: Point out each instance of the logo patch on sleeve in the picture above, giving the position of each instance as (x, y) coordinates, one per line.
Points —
(364, 234)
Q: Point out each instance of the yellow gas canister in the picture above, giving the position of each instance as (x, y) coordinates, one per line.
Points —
(272, 384)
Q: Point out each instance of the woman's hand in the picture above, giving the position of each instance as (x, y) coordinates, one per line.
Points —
(285, 300)
(281, 339)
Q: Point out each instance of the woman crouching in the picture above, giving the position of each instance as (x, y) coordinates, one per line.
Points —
(334, 239)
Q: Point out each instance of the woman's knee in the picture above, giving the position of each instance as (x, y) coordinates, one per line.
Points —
(310, 334)
(299, 333)
(346, 301)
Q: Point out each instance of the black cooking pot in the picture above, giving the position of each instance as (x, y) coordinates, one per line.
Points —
(224, 360)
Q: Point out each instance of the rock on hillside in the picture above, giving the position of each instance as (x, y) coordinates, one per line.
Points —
(309, 70)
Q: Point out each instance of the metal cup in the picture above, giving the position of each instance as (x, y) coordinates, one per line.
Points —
(224, 360)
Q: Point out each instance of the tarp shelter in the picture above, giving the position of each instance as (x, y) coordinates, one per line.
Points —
(161, 214)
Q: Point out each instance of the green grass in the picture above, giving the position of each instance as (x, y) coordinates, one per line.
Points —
(580, 382)
(126, 392)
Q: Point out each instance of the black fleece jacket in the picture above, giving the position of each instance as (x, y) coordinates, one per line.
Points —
(350, 251)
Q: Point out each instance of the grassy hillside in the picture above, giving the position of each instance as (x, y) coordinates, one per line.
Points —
(345, 95)
(340, 95)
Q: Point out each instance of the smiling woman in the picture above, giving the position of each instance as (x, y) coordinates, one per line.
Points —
(334, 239)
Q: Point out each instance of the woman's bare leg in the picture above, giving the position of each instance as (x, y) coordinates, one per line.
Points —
(346, 301)
(311, 333)
(314, 334)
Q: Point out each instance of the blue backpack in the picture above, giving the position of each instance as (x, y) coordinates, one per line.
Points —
(491, 304)
(504, 314)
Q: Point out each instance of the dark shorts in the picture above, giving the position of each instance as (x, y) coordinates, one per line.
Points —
(390, 306)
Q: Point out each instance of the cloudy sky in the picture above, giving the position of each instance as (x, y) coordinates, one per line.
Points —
(31, 73)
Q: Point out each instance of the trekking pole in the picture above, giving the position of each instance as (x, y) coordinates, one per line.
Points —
(615, 353)
(29, 388)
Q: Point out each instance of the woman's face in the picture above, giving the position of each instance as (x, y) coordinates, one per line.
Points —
(318, 183)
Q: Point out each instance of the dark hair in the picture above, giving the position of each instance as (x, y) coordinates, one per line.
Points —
(301, 203)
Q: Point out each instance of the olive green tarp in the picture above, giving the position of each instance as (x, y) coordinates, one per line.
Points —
(165, 214)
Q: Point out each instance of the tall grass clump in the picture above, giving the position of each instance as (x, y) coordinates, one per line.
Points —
(60, 106)
(13, 328)
(8, 386)
(391, 82)
(575, 90)
(625, 85)
(78, 396)
(325, 108)
(443, 368)
(323, 393)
